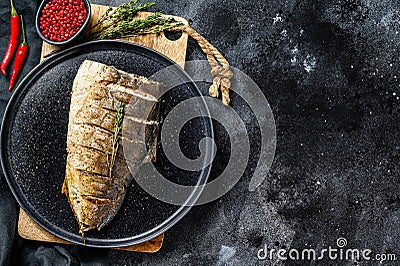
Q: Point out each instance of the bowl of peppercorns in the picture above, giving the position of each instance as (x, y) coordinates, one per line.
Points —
(61, 22)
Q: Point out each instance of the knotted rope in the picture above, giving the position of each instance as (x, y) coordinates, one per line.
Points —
(219, 65)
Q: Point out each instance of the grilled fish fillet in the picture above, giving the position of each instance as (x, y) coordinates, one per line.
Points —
(94, 195)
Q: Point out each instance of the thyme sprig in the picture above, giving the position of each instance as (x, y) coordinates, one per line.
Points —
(151, 24)
(126, 11)
(119, 117)
(121, 22)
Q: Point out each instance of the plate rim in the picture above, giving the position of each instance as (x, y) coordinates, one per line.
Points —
(64, 234)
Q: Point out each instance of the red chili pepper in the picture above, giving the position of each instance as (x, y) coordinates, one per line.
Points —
(15, 23)
(20, 58)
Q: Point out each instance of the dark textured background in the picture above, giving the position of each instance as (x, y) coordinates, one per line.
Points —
(329, 70)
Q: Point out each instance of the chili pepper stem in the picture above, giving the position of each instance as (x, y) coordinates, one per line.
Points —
(13, 10)
(23, 32)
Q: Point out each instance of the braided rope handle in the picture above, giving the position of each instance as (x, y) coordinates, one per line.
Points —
(219, 65)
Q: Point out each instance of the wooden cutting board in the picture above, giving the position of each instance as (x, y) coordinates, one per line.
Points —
(175, 50)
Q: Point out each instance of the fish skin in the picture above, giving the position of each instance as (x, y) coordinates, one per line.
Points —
(94, 195)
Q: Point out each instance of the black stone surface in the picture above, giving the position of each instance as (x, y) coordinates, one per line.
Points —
(329, 70)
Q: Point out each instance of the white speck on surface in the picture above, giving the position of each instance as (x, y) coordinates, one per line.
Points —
(301, 32)
(277, 18)
(310, 63)
(294, 52)
(225, 254)
(394, 94)
(284, 33)
(386, 19)
(318, 183)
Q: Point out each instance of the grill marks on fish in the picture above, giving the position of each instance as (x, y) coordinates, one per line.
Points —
(95, 196)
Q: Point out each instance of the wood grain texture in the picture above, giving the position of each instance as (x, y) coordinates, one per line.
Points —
(29, 229)
(175, 50)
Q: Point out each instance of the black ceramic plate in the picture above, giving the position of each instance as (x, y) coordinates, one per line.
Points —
(33, 139)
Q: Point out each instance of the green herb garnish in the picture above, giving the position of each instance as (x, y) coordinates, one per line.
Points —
(119, 117)
(121, 22)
